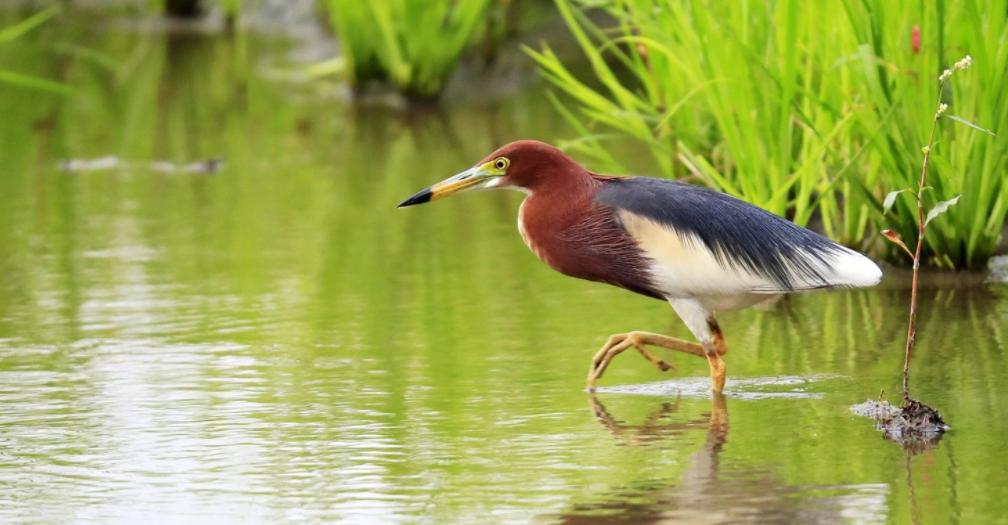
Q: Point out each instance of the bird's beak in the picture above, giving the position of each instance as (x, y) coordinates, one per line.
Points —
(477, 177)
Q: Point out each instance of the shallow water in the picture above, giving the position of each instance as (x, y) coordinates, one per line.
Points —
(276, 342)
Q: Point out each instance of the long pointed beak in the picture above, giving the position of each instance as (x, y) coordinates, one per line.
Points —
(471, 178)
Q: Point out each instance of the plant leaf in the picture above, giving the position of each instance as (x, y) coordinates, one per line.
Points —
(890, 199)
(941, 208)
(10, 33)
(28, 81)
(970, 124)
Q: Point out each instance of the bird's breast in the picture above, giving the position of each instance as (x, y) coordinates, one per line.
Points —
(533, 241)
(584, 241)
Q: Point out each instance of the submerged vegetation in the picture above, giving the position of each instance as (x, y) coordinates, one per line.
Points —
(812, 110)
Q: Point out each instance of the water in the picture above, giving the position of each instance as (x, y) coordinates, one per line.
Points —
(276, 342)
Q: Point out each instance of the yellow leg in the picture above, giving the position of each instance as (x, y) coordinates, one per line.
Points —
(717, 372)
(713, 350)
(616, 344)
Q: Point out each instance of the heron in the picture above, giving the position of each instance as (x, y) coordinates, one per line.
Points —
(698, 249)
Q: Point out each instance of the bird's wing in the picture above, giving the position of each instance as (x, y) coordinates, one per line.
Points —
(705, 242)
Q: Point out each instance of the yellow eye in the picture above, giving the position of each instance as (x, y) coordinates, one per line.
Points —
(501, 163)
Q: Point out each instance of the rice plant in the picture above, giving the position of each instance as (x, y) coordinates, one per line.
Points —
(809, 109)
(719, 91)
(902, 48)
(18, 79)
(413, 44)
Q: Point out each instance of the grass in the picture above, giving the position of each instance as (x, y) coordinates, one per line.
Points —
(23, 80)
(902, 83)
(809, 109)
(412, 44)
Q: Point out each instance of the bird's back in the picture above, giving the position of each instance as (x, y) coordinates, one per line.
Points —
(699, 242)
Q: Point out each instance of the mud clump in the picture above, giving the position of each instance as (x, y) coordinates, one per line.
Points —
(915, 426)
(922, 418)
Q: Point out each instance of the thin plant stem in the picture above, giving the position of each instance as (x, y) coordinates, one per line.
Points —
(921, 184)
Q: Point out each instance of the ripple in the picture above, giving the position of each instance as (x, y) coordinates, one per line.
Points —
(749, 388)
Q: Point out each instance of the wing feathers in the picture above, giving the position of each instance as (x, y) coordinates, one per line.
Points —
(702, 241)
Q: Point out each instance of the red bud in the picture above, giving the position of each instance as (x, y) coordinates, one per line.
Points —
(915, 39)
(895, 238)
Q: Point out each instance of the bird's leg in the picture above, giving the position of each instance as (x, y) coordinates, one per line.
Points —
(717, 337)
(615, 340)
(616, 344)
(714, 348)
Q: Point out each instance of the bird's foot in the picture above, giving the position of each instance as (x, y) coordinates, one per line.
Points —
(616, 344)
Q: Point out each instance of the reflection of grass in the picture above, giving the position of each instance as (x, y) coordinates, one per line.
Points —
(414, 44)
(804, 108)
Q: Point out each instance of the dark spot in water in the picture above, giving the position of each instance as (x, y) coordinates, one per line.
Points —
(915, 426)
(922, 418)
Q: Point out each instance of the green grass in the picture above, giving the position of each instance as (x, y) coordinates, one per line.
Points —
(903, 84)
(17, 79)
(812, 110)
(412, 44)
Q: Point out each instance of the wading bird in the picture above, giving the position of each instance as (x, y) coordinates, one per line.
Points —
(699, 249)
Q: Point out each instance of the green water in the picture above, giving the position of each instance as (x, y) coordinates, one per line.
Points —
(276, 342)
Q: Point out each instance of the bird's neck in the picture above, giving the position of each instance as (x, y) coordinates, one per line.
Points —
(550, 209)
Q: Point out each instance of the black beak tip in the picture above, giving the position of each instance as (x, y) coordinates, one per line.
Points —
(420, 197)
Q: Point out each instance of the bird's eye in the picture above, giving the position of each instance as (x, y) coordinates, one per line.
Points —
(501, 163)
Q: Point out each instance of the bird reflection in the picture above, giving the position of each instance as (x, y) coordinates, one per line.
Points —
(709, 492)
(660, 425)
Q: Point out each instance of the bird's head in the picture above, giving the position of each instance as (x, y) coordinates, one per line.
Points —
(526, 165)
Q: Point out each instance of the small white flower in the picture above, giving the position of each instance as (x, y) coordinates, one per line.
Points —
(942, 108)
(945, 75)
(966, 62)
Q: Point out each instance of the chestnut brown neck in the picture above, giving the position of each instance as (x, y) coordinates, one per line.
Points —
(559, 199)
(552, 208)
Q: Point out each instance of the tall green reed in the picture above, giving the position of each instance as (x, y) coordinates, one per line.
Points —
(413, 44)
(717, 90)
(18, 79)
(897, 85)
(808, 109)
